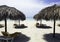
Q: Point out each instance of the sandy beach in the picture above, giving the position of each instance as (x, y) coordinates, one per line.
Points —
(35, 34)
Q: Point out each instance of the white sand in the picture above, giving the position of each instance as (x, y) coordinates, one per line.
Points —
(36, 34)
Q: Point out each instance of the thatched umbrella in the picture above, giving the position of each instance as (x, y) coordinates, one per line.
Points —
(9, 12)
(23, 17)
(38, 17)
(51, 13)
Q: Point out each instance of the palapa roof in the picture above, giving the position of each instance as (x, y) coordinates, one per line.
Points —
(11, 13)
(50, 12)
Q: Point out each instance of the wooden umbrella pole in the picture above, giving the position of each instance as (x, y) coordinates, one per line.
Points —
(41, 21)
(19, 22)
(5, 25)
(54, 28)
(54, 22)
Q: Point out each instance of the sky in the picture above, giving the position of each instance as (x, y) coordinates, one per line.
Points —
(29, 7)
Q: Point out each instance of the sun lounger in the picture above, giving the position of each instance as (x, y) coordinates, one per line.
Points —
(43, 26)
(1, 25)
(59, 25)
(20, 26)
(6, 36)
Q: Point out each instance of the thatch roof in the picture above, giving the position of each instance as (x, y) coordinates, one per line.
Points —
(37, 17)
(11, 13)
(48, 13)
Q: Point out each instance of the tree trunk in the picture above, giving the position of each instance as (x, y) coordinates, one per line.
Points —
(5, 25)
(19, 22)
(54, 28)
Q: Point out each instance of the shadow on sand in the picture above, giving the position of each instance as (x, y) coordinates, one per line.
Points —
(43, 26)
(49, 37)
(22, 26)
(21, 38)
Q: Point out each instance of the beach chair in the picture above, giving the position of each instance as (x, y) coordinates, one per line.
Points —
(20, 26)
(10, 36)
(6, 37)
(1, 25)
